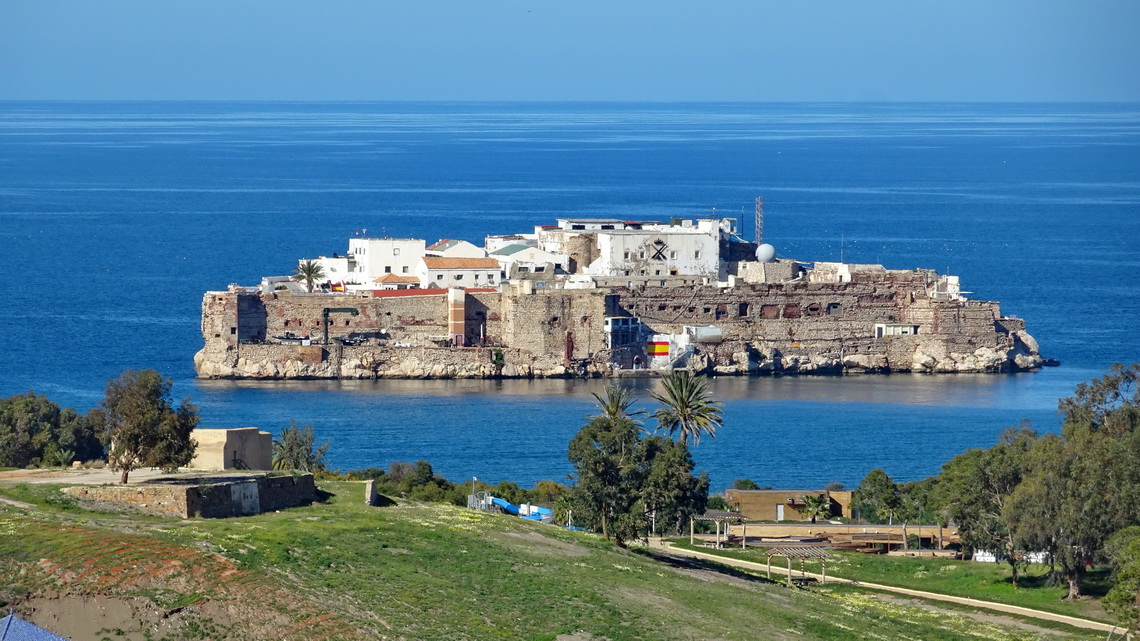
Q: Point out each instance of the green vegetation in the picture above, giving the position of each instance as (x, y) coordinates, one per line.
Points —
(35, 431)
(429, 571)
(1123, 600)
(138, 425)
(689, 408)
(985, 581)
(296, 450)
(309, 271)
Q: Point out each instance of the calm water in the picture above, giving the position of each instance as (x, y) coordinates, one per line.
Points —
(114, 218)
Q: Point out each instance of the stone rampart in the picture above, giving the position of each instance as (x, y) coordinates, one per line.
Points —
(878, 321)
(204, 497)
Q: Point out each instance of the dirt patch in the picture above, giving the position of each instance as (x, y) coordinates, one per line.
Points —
(546, 545)
(579, 636)
(122, 618)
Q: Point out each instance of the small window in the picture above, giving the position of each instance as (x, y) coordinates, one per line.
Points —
(439, 277)
(673, 255)
(672, 272)
(395, 251)
(743, 311)
(387, 269)
(459, 277)
(404, 269)
(660, 308)
(641, 255)
(540, 268)
(577, 227)
(233, 330)
(697, 254)
(657, 272)
(625, 256)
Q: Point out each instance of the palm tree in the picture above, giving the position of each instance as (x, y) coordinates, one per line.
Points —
(816, 506)
(689, 407)
(295, 450)
(617, 404)
(309, 271)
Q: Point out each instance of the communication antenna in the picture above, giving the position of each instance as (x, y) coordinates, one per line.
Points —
(759, 219)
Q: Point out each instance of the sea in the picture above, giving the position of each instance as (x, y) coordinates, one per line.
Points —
(116, 217)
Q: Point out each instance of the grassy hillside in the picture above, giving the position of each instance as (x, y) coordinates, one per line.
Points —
(342, 570)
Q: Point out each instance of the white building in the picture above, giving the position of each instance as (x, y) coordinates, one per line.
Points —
(455, 249)
(660, 250)
(495, 243)
(520, 260)
(375, 257)
(458, 273)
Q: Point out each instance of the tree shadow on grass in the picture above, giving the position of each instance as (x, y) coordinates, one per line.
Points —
(711, 568)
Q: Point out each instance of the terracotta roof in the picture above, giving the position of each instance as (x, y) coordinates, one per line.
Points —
(393, 278)
(441, 262)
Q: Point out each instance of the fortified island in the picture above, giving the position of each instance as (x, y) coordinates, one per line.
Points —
(600, 298)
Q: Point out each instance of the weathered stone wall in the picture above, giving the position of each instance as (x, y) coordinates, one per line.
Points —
(238, 497)
(795, 327)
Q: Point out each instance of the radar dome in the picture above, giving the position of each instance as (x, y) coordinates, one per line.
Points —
(765, 253)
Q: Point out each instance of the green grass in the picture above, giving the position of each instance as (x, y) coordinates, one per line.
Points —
(431, 571)
(985, 581)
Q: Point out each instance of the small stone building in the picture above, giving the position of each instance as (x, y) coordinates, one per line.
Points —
(243, 448)
(784, 505)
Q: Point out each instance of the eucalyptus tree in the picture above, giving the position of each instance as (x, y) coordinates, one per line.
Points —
(140, 427)
(688, 407)
(309, 271)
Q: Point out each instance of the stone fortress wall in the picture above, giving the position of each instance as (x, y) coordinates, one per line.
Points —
(767, 327)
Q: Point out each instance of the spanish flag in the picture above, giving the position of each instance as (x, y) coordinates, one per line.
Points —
(659, 348)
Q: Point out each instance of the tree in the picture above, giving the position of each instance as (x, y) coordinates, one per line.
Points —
(877, 497)
(35, 431)
(295, 451)
(745, 484)
(309, 271)
(140, 428)
(626, 483)
(816, 506)
(978, 485)
(1123, 599)
(605, 458)
(617, 404)
(689, 408)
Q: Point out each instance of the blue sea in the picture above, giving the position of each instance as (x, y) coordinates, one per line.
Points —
(116, 217)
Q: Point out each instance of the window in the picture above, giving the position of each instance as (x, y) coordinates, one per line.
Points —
(672, 272)
(673, 255)
(540, 268)
(743, 311)
(625, 255)
(404, 269)
(387, 269)
(395, 251)
(657, 272)
(459, 277)
(439, 277)
(577, 226)
(490, 278)
(641, 255)
(697, 254)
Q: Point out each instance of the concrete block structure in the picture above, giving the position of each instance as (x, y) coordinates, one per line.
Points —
(784, 505)
(243, 448)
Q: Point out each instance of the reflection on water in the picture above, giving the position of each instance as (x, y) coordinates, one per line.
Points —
(1037, 390)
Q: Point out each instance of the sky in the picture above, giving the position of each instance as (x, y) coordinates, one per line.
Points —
(588, 50)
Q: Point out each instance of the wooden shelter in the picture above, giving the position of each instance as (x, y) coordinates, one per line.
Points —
(798, 552)
(720, 517)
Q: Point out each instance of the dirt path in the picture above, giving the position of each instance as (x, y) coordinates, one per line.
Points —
(988, 605)
(15, 503)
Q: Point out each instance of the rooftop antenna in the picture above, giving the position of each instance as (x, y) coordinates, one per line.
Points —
(759, 219)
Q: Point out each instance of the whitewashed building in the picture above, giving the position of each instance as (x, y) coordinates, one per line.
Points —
(375, 257)
(451, 248)
(458, 273)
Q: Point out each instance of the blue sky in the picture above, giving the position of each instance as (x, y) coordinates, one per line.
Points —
(665, 50)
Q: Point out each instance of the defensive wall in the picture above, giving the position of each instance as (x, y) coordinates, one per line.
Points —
(519, 332)
(206, 497)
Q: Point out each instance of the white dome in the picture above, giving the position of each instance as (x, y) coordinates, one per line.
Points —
(765, 253)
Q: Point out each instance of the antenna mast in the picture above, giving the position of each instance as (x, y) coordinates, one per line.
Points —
(759, 219)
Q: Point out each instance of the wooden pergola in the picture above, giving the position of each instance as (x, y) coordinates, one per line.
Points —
(798, 552)
(719, 517)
